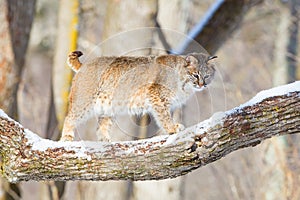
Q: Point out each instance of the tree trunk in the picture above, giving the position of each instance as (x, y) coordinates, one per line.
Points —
(122, 16)
(8, 78)
(275, 149)
(66, 42)
(16, 17)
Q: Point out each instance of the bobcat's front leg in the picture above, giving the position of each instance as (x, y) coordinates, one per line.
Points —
(163, 117)
(75, 117)
(161, 112)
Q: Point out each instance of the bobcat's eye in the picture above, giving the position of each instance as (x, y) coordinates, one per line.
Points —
(196, 76)
(205, 81)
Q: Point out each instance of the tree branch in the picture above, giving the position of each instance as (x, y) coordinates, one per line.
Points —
(216, 25)
(26, 156)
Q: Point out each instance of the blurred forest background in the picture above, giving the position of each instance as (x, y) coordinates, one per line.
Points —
(256, 43)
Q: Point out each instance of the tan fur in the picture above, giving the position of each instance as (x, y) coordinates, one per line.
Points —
(107, 86)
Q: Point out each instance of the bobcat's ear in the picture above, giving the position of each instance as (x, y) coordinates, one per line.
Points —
(190, 59)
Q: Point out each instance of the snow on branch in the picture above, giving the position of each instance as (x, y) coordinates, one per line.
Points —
(25, 156)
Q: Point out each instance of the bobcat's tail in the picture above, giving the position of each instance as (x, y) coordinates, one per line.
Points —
(73, 60)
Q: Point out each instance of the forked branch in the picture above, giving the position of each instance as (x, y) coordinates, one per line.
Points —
(26, 156)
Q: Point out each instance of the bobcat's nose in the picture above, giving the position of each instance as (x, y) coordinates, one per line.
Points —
(200, 86)
(202, 83)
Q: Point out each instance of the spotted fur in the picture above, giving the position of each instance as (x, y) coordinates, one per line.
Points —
(107, 86)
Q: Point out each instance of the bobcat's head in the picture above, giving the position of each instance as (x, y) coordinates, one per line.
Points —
(200, 71)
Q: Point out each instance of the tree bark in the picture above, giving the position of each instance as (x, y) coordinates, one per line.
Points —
(25, 156)
(17, 17)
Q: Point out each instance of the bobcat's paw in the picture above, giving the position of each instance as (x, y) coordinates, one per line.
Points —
(104, 139)
(176, 128)
(65, 138)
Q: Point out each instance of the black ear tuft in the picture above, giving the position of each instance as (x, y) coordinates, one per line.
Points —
(77, 53)
(211, 57)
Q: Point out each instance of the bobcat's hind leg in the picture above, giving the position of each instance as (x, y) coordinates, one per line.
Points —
(73, 120)
(104, 126)
(68, 129)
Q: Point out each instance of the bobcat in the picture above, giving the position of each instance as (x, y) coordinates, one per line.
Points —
(107, 86)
